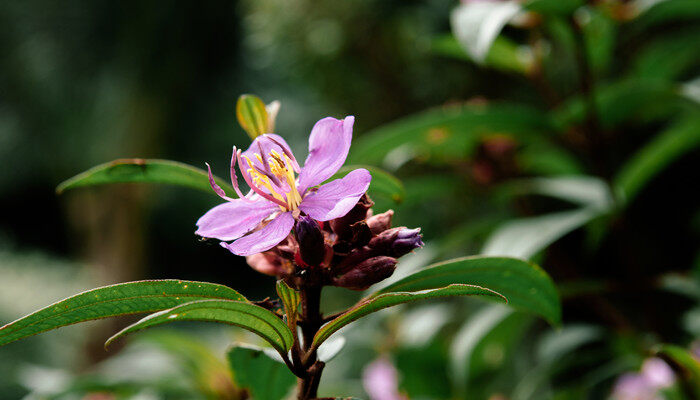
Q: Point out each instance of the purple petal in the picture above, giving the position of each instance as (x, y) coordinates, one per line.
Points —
(217, 189)
(264, 239)
(233, 219)
(329, 144)
(336, 198)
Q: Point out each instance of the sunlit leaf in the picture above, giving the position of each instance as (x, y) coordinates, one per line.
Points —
(265, 378)
(465, 341)
(238, 313)
(504, 54)
(477, 24)
(114, 300)
(383, 300)
(587, 191)
(525, 237)
(138, 170)
(252, 115)
(526, 286)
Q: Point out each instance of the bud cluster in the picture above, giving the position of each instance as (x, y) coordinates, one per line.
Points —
(354, 251)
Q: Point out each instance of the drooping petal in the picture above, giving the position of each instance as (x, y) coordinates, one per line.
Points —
(233, 219)
(217, 189)
(329, 144)
(264, 239)
(336, 198)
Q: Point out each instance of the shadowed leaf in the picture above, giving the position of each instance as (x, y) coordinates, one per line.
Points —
(138, 170)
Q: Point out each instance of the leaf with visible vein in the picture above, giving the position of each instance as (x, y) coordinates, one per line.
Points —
(377, 302)
(115, 300)
(139, 170)
(242, 314)
(526, 286)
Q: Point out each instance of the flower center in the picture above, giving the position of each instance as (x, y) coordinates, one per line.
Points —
(277, 176)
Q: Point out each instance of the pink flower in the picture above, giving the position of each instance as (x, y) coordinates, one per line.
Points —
(655, 375)
(264, 217)
(380, 380)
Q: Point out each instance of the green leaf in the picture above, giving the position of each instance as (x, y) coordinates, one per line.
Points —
(600, 34)
(553, 7)
(290, 299)
(525, 237)
(448, 133)
(252, 369)
(669, 145)
(252, 115)
(526, 286)
(504, 55)
(583, 190)
(139, 170)
(242, 314)
(114, 300)
(629, 101)
(667, 56)
(383, 185)
(381, 300)
(684, 362)
(656, 13)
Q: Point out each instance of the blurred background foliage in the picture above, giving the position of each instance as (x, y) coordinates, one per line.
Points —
(569, 137)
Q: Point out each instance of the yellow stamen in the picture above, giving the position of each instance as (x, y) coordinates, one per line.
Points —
(280, 166)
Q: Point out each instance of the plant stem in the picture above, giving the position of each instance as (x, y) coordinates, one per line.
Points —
(312, 320)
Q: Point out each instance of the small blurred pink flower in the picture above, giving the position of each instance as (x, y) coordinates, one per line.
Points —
(657, 373)
(645, 385)
(380, 380)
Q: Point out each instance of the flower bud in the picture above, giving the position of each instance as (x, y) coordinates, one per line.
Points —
(367, 273)
(406, 241)
(341, 226)
(397, 242)
(380, 222)
(269, 263)
(310, 238)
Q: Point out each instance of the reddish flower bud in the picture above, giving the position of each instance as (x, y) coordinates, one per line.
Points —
(367, 273)
(312, 247)
(269, 263)
(380, 222)
(397, 242)
(341, 226)
(406, 241)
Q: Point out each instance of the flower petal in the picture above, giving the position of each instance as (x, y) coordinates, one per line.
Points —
(329, 144)
(336, 198)
(264, 239)
(233, 219)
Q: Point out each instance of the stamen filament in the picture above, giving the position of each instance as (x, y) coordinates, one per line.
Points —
(255, 188)
(234, 178)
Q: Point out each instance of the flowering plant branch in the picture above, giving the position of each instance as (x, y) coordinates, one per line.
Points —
(301, 229)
